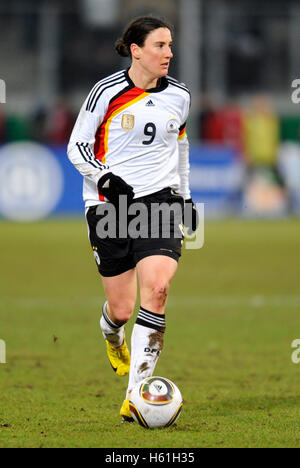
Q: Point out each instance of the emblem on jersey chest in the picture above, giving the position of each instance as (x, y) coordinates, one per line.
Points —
(172, 126)
(127, 122)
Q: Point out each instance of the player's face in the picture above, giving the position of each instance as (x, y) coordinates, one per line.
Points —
(155, 55)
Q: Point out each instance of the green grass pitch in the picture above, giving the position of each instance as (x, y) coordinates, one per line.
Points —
(232, 315)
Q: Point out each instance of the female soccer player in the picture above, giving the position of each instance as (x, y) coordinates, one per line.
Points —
(129, 140)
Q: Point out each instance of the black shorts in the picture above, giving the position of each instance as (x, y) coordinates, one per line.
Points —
(152, 225)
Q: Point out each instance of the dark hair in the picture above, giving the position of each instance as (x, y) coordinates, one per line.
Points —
(137, 31)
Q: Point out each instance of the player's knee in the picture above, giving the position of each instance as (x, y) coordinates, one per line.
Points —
(159, 294)
(122, 312)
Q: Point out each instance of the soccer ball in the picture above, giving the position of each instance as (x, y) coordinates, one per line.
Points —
(155, 402)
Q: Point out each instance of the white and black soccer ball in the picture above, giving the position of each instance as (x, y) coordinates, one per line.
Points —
(155, 402)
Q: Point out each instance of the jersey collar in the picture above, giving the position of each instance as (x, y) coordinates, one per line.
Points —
(163, 84)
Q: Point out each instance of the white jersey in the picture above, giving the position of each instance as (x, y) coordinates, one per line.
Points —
(137, 134)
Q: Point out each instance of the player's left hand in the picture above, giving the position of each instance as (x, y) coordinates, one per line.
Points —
(112, 186)
(190, 216)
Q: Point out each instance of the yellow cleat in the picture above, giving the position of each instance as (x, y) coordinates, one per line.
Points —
(125, 412)
(119, 358)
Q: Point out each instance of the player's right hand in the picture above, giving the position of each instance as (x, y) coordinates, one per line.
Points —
(190, 216)
(112, 186)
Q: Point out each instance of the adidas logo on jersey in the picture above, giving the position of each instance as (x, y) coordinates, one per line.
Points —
(150, 103)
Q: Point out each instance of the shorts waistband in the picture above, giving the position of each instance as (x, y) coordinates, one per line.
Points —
(164, 191)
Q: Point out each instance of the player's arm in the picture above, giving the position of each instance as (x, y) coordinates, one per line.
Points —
(80, 147)
(81, 154)
(184, 163)
(190, 215)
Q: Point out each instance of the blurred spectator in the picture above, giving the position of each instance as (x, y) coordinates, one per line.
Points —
(206, 111)
(233, 128)
(211, 130)
(224, 126)
(59, 123)
(264, 193)
(262, 133)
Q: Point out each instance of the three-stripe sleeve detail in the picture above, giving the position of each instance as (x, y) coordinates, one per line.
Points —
(179, 85)
(87, 155)
(100, 87)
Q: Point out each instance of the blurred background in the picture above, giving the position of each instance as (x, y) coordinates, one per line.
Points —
(239, 58)
(232, 356)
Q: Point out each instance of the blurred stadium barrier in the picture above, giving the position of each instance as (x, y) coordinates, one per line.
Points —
(217, 179)
(38, 181)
